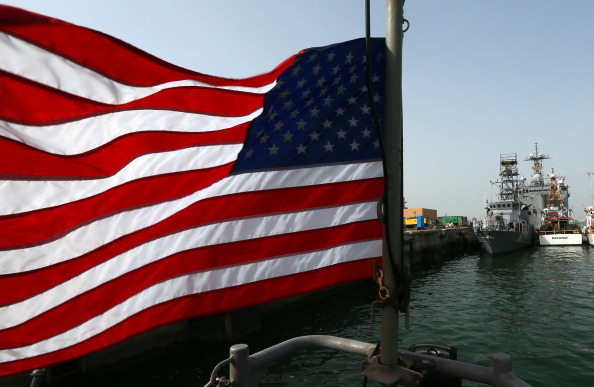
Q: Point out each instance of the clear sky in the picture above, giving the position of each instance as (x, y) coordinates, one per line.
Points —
(480, 77)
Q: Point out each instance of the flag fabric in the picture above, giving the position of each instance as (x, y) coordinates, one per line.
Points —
(134, 193)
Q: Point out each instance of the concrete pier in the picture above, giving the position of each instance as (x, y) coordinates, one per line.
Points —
(437, 244)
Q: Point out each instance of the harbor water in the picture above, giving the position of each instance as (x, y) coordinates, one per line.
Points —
(536, 305)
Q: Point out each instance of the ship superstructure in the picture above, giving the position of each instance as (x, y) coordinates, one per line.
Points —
(558, 228)
(536, 193)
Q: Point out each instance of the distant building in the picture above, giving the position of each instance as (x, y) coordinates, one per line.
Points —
(411, 215)
(458, 221)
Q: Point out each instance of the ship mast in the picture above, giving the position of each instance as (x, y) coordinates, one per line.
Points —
(554, 198)
(508, 173)
(536, 159)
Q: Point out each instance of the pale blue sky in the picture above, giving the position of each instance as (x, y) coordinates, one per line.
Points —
(481, 77)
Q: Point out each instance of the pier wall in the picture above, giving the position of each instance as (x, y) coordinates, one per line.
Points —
(437, 244)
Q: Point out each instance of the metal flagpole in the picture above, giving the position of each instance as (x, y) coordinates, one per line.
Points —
(393, 175)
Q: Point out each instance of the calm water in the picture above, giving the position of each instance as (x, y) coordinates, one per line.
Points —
(537, 305)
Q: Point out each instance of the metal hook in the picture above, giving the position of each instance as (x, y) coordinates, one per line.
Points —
(407, 25)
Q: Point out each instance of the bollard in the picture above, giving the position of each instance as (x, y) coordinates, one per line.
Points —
(38, 379)
(239, 368)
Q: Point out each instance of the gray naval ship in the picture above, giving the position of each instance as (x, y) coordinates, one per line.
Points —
(512, 221)
(508, 223)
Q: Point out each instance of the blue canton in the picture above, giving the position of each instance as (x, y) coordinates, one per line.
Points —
(319, 112)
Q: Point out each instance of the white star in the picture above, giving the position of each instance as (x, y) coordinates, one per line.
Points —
(349, 58)
(314, 136)
(294, 113)
(320, 82)
(301, 83)
(339, 112)
(278, 126)
(337, 80)
(341, 90)
(376, 143)
(301, 149)
(326, 124)
(288, 104)
(375, 78)
(273, 150)
(366, 132)
(353, 121)
(301, 125)
(296, 71)
(352, 100)
(331, 56)
(284, 94)
(354, 78)
(264, 139)
(316, 69)
(341, 134)
(249, 153)
(305, 94)
(314, 112)
(327, 101)
(329, 147)
(365, 109)
(312, 57)
(288, 136)
(335, 70)
(354, 146)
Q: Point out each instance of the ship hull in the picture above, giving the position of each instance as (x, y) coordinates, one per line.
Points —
(591, 239)
(499, 242)
(560, 239)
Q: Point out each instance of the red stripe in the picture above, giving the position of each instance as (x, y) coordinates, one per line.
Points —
(21, 162)
(31, 103)
(205, 303)
(101, 299)
(106, 54)
(25, 285)
(38, 226)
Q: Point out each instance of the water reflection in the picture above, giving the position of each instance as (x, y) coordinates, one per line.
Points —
(535, 304)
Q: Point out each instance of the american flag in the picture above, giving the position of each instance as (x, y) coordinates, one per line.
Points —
(135, 193)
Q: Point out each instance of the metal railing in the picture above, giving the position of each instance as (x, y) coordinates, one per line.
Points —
(247, 370)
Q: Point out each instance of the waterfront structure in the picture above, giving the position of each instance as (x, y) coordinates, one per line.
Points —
(419, 218)
(453, 221)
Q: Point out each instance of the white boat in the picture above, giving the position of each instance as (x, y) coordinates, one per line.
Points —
(558, 228)
(590, 224)
(506, 226)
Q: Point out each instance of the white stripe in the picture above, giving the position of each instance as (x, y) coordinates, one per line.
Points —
(214, 234)
(101, 232)
(194, 284)
(22, 196)
(87, 134)
(32, 62)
